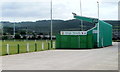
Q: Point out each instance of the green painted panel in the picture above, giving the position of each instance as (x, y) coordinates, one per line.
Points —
(58, 41)
(105, 31)
(74, 41)
(90, 41)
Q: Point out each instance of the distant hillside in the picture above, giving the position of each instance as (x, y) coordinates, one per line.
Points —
(43, 26)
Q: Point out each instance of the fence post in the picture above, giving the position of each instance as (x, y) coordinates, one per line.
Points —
(35, 46)
(35, 40)
(8, 49)
(53, 44)
(27, 47)
(18, 48)
(42, 45)
(48, 45)
(24, 40)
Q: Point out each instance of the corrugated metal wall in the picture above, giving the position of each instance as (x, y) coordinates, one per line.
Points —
(105, 34)
(105, 31)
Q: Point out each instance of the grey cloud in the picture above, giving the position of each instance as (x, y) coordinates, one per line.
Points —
(25, 9)
(39, 10)
(61, 10)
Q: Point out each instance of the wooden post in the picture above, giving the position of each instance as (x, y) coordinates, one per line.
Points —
(35, 46)
(18, 48)
(48, 45)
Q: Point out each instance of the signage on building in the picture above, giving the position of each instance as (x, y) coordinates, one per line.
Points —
(73, 32)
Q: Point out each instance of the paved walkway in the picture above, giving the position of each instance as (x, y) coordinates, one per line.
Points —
(91, 59)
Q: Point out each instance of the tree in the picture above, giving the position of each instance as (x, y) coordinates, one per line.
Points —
(4, 37)
(17, 36)
(22, 32)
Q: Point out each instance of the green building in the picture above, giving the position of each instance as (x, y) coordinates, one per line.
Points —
(98, 36)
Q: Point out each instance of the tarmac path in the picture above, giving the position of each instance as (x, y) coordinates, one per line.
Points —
(87, 59)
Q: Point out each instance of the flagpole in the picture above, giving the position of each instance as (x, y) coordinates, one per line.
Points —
(98, 24)
(51, 24)
(14, 31)
(81, 15)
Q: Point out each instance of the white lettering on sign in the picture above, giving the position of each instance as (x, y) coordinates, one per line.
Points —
(73, 32)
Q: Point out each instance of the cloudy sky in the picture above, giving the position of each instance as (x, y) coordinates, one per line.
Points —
(32, 10)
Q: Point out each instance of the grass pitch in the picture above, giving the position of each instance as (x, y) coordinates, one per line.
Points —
(13, 46)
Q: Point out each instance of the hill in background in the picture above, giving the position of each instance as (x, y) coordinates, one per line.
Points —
(43, 26)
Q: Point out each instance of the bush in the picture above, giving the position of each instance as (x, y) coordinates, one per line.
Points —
(4, 37)
(17, 36)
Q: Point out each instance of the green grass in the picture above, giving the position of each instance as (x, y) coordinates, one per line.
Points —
(13, 45)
